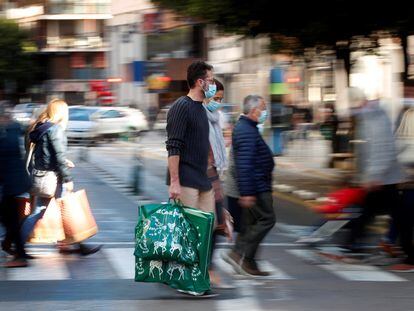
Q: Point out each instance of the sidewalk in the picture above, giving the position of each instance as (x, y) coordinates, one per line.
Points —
(303, 167)
(301, 172)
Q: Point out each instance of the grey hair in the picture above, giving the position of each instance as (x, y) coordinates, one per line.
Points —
(356, 95)
(250, 102)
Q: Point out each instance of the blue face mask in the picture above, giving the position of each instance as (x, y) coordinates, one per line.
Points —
(263, 117)
(213, 105)
(212, 88)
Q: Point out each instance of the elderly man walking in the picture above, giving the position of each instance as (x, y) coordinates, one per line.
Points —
(253, 165)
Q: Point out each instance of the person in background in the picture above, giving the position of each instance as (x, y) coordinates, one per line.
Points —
(13, 181)
(253, 163)
(47, 133)
(377, 168)
(405, 223)
(217, 163)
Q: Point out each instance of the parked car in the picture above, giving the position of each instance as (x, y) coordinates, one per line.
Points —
(23, 113)
(91, 124)
(160, 123)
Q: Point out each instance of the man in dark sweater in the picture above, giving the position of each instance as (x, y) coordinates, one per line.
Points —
(188, 141)
(253, 170)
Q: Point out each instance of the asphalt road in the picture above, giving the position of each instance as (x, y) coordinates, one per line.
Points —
(301, 279)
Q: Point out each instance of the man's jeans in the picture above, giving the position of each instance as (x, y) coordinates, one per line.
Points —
(257, 221)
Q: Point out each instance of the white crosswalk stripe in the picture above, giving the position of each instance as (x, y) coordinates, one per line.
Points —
(349, 272)
(276, 273)
(50, 265)
(122, 260)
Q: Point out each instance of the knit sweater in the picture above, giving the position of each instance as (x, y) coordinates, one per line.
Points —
(188, 137)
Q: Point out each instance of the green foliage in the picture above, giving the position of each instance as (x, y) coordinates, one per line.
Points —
(312, 22)
(16, 63)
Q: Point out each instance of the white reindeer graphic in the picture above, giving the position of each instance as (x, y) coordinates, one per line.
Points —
(155, 264)
(162, 245)
(175, 245)
(172, 266)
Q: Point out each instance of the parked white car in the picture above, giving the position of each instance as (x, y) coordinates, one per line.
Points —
(23, 113)
(91, 124)
(160, 123)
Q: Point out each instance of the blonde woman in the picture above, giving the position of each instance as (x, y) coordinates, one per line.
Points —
(47, 134)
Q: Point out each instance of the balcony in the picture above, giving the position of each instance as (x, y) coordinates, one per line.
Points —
(77, 8)
(85, 42)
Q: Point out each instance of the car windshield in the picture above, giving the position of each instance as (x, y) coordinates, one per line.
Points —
(80, 114)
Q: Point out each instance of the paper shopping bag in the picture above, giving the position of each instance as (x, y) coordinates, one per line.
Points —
(78, 221)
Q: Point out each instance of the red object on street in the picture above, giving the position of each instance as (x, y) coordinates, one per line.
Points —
(341, 199)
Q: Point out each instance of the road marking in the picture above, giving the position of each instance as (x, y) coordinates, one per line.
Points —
(362, 273)
(261, 244)
(54, 268)
(122, 260)
(247, 301)
(276, 273)
(348, 272)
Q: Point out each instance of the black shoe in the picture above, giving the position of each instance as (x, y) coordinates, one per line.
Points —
(68, 250)
(6, 247)
(27, 256)
(88, 250)
(249, 267)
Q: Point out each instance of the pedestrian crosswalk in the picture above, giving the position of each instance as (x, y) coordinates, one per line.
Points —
(118, 263)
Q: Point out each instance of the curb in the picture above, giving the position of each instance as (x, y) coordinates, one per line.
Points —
(311, 171)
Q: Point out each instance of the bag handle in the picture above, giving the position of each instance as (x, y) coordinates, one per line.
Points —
(176, 202)
(29, 156)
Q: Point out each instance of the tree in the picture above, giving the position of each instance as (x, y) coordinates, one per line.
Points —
(312, 23)
(17, 68)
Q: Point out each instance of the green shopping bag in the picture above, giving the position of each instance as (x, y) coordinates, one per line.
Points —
(179, 276)
(163, 233)
(204, 224)
(188, 277)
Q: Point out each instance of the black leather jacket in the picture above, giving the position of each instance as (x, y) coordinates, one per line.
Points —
(50, 150)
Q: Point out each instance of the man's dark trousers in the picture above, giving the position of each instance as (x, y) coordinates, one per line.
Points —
(257, 221)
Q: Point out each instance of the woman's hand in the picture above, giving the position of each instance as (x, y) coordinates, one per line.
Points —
(70, 164)
(68, 186)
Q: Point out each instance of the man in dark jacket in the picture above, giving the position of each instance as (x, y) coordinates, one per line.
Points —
(254, 165)
(14, 181)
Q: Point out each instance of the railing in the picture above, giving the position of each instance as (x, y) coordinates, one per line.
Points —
(84, 41)
(77, 8)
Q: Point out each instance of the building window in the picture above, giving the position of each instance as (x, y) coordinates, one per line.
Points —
(78, 60)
